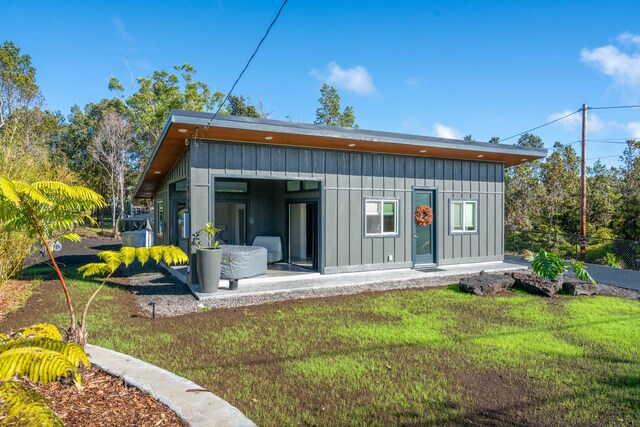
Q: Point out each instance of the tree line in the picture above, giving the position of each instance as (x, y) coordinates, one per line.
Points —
(105, 144)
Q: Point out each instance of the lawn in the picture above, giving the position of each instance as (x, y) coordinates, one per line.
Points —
(415, 357)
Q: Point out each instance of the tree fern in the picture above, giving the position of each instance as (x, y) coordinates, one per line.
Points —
(32, 354)
(112, 260)
(24, 407)
(37, 364)
(73, 352)
(48, 210)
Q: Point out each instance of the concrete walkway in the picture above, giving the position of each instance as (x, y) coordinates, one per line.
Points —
(257, 291)
(629, 279)
(196, 406)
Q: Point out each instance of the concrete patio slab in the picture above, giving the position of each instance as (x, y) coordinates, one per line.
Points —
(259, 290)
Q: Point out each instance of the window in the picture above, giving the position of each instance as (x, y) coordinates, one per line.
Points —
(160, 217)
(231, 186)
(464, 216)
(381, 217)
(302, 186)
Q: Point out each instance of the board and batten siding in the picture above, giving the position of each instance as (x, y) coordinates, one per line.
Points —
(347, 179)
(179, 171)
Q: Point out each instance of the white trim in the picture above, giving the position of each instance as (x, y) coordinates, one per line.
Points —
(464, 203)
(381, 202)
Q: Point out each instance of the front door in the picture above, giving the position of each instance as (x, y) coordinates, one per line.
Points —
(424, 229)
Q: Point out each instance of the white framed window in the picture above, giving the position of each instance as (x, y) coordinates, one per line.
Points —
(381, 217)
(464, 216)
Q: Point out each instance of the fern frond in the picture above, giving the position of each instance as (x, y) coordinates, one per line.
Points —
(25, 407)
(36, 364)
(39, 330)
(155, 252)
(32, 192)
(8, 190)
(127, 255)
(72, 237)
(95, 269)
(73, 352)
(142, 254)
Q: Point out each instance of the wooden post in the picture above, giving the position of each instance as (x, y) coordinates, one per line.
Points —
(583, 188)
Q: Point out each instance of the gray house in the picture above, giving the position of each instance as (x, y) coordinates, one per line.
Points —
(338, 199)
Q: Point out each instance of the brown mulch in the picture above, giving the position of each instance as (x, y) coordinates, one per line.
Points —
(106, 401)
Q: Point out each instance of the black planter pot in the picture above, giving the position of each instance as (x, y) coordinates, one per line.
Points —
(208, 267)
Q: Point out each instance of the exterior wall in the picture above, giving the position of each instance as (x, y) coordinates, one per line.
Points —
(347, 178)
(179, 171)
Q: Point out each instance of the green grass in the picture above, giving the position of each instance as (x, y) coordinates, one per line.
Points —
(410, 357)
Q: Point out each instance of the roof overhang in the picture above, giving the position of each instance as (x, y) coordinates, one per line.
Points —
(183, 125)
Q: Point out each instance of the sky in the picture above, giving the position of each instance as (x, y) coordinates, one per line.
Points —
(438, 68)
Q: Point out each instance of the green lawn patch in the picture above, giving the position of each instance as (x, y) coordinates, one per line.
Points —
(415, 357)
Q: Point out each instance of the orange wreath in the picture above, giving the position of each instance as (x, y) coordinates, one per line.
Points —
(423, 216)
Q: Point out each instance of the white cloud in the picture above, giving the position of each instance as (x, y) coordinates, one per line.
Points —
(594, 124)
(356, 79)
(634, 129)
(443, 131)
(121, 29)
(623, 67)
(629, 38)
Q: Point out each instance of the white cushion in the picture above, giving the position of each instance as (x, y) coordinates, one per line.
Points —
(273, 245)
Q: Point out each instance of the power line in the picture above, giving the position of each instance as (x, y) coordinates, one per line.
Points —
(245, 68)
(613, 107)
(603, 157)
(541, 126)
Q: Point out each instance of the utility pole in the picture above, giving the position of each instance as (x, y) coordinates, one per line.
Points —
(583, 188)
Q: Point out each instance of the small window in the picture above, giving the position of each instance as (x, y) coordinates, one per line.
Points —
(293, 186)
(381, 217)
(231, 186)
(464, 216)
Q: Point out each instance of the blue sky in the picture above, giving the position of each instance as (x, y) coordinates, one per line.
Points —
(434, 68)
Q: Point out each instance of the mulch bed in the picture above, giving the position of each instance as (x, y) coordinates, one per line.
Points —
(106, 401)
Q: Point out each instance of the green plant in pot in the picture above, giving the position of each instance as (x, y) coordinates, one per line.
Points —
(208, 258)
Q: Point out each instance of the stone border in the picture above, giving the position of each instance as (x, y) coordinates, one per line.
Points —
(192, 403)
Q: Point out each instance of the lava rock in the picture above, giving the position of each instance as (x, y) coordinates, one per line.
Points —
(579, 287)
(536, 285)
(486, 284)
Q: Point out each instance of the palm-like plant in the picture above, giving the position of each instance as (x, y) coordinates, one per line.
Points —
(549, 266)
(112, 260)
(36, 353)
(48, 210)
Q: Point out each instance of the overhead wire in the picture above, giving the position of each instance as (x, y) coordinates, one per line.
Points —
(541, 126)
(255, 51)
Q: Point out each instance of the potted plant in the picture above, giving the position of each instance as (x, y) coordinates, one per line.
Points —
(208, 258)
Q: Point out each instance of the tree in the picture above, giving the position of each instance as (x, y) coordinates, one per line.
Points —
(494, 140)
(524, 190)
(560, 175)
(157, 95)
(329, 114)
(627, 221)
(112, 147)
(468, 137)
(239, 106)
(48, 210)
(18, 88)
(602, 196)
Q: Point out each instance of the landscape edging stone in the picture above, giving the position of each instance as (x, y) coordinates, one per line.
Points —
(198, 407)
